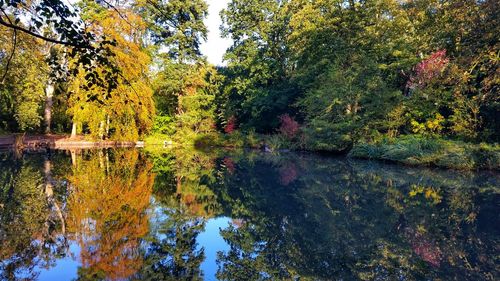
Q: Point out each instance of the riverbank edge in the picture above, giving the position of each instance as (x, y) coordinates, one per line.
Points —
(431, 152)
(33, 142)
(410, 150)
(406, 150)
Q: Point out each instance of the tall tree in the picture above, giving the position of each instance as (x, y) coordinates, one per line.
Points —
(129, 109)
(257, 89)
(22, 86)
(176, 25)
(185, 84)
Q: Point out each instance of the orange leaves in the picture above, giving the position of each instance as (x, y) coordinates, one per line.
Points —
(128, 110)
(108, 212)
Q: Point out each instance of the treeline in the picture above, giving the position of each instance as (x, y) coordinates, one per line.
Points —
(351, 71)
(317, 75)
(101, 69)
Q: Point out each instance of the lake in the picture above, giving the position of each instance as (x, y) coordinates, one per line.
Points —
(233, 215)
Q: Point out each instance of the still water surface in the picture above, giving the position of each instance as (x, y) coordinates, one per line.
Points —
(186, 215)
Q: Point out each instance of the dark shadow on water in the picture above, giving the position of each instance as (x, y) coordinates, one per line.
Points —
(137, 215)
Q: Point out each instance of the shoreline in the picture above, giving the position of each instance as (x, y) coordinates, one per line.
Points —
(408, 150)
(444, 154)
(28, 142)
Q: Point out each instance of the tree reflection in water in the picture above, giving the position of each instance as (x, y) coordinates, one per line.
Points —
(138, 216)
(185, 201)
(107, 212)
(30, 229)
(356, 220)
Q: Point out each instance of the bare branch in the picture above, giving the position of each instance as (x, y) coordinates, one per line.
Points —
(117, 11)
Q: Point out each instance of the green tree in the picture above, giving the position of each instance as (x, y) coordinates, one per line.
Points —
(22, 87)
(321, 219)
(257, 88)
(30, 225)
(351, 102)
(177, 25)
(56, 22)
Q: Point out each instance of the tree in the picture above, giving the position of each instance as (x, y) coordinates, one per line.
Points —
(351, 221)
(31, 232)
(107, 212)
(63, 22)
(22, 87)
(173, 252)
(129, 110)
(360, 61)
(465, 30)
(177, 25)
(195, 111)
(184, 196)
(257, 88)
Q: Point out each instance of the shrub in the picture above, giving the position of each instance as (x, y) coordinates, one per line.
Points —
(164, 125)
(235, 139)
(231, 125)
(289, 127)
(252, 139)
(208, 140)
(428, 69)
(288, 173)
(276, 142)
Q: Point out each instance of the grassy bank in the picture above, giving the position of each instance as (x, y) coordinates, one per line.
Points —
(218, 140)
(408, 150)
(412, 150)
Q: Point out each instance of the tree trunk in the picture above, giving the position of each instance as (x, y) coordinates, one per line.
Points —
(107, 126)
(102, 130)
(49, 193)
(49, 94)
(73, 131)
(73, 157)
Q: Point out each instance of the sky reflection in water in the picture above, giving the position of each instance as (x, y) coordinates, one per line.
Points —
(187, 215)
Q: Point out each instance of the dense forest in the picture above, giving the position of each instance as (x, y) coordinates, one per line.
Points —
(325, 75)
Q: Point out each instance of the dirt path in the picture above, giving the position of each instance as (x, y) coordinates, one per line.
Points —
(59, 142)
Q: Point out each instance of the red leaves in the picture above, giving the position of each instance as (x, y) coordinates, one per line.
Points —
(231, 125)
(427, 251)
(428, 69)
(424, 247)
(230, 165)
(288, 174)
(289, 127)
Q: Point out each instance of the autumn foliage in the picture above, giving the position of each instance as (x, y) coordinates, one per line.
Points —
(229, 164)
(288, 174)
(289, 127)
(107, 213)
(428, 69)
(231, 125)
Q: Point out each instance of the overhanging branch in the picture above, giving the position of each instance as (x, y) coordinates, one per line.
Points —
(14, 44)
(48, 39)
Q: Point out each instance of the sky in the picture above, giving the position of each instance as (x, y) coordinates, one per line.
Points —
(216, 46)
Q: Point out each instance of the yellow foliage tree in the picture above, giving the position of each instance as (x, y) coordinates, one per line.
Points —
(108, 212)
(126, 112)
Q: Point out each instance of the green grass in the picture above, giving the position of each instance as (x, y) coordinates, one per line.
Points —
(237, 139)
(157, 139)
(413, 150)
(409, 150)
